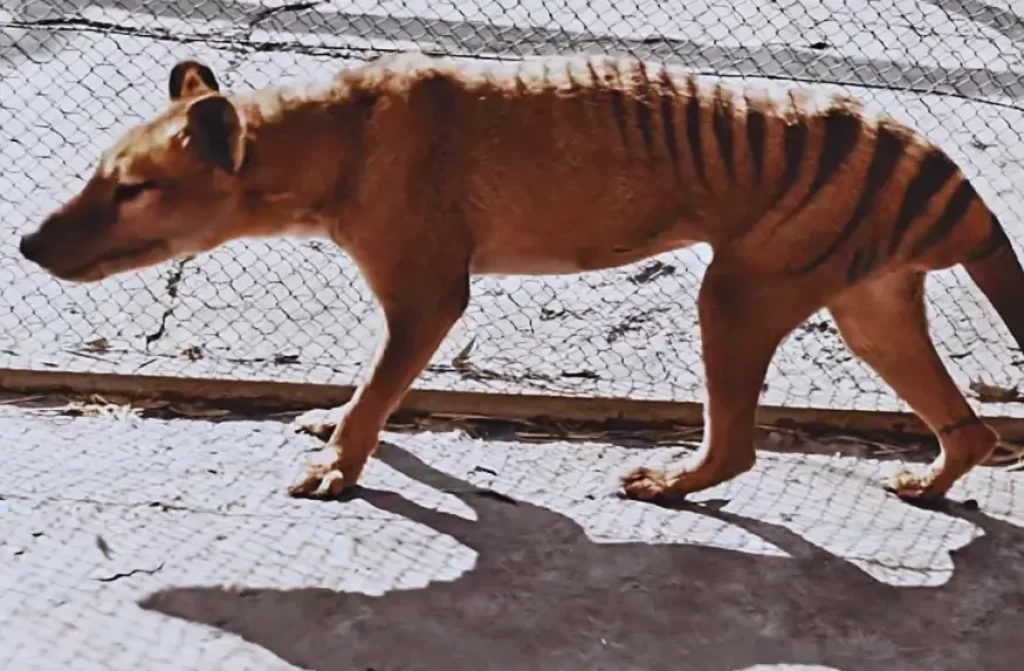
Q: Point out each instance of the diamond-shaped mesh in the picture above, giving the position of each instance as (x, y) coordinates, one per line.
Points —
(73, 73)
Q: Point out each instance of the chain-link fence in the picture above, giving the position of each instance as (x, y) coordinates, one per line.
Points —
(73, 73)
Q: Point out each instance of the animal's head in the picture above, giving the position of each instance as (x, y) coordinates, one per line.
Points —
(168, 188)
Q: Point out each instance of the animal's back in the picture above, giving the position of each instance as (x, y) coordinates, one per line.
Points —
(581, 163)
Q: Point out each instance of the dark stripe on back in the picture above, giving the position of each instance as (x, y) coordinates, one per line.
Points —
(863, 262)
(520, 84)
(693, 129)
(794, 143)
(595, 79)
(721, 122)
(997, 240)
(950, 217)
(613, 79)
(545, 78)
(934, 170)
(755, 139)
(842, 128)
(574, 84)
(668, 108)
(643, 106)
(889, 149)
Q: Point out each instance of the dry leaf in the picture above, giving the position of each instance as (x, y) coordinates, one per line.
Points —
(100, 345)
(149, 403)
(102, 545)
(193, 353)
(990, 393)
(461, 360)
(195, 411)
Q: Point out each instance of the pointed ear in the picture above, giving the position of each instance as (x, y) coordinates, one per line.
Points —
(191, 78)
(217, 132)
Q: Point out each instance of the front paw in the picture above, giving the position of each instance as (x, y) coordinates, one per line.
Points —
(645, 484)
(329, 478)
(321, 481)
(351, 439)
(671, 487)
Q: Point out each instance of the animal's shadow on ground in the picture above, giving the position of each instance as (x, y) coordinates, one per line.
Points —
(543, 596)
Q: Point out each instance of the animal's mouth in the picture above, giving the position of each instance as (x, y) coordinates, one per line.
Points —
(89, 270)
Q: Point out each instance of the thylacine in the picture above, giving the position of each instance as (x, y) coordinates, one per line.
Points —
(427, 172)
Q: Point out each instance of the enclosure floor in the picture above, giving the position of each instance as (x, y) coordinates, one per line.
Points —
(169, 544)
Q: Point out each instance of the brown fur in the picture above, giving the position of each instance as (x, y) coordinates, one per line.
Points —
(427, 172)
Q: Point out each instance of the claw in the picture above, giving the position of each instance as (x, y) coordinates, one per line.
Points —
(914, 489)
(320, 482)
(645, 484)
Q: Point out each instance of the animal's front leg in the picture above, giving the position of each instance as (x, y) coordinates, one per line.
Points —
(418, 314)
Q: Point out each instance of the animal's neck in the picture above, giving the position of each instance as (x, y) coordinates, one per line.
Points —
(295, 176)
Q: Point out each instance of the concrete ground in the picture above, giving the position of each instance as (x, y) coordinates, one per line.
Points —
(131, 543)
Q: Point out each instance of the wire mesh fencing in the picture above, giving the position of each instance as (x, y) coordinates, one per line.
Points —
(74, 73)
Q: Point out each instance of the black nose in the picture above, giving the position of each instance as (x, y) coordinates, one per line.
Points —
(29, 247)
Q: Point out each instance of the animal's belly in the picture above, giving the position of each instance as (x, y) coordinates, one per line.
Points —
(523, 263)
(537, 261)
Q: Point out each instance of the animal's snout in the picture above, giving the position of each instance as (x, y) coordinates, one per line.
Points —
(30, 247)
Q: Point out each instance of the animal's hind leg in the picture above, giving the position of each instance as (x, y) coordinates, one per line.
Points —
(885, 323)
(742, 319)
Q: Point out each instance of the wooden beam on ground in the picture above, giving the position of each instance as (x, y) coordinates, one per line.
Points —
(274, 396)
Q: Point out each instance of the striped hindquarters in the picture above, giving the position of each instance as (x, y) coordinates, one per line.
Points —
(882, 192)
(878, 191)
(912, 205)
(841, 192)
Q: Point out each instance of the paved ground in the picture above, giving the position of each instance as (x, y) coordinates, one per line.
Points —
(168, 544)
(74, 72)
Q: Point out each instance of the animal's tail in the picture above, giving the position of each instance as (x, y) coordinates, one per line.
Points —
(995, 269)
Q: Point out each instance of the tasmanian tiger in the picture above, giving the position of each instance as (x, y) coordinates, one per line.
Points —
(428, 171)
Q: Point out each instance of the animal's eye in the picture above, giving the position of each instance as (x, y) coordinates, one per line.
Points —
(126, 192)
